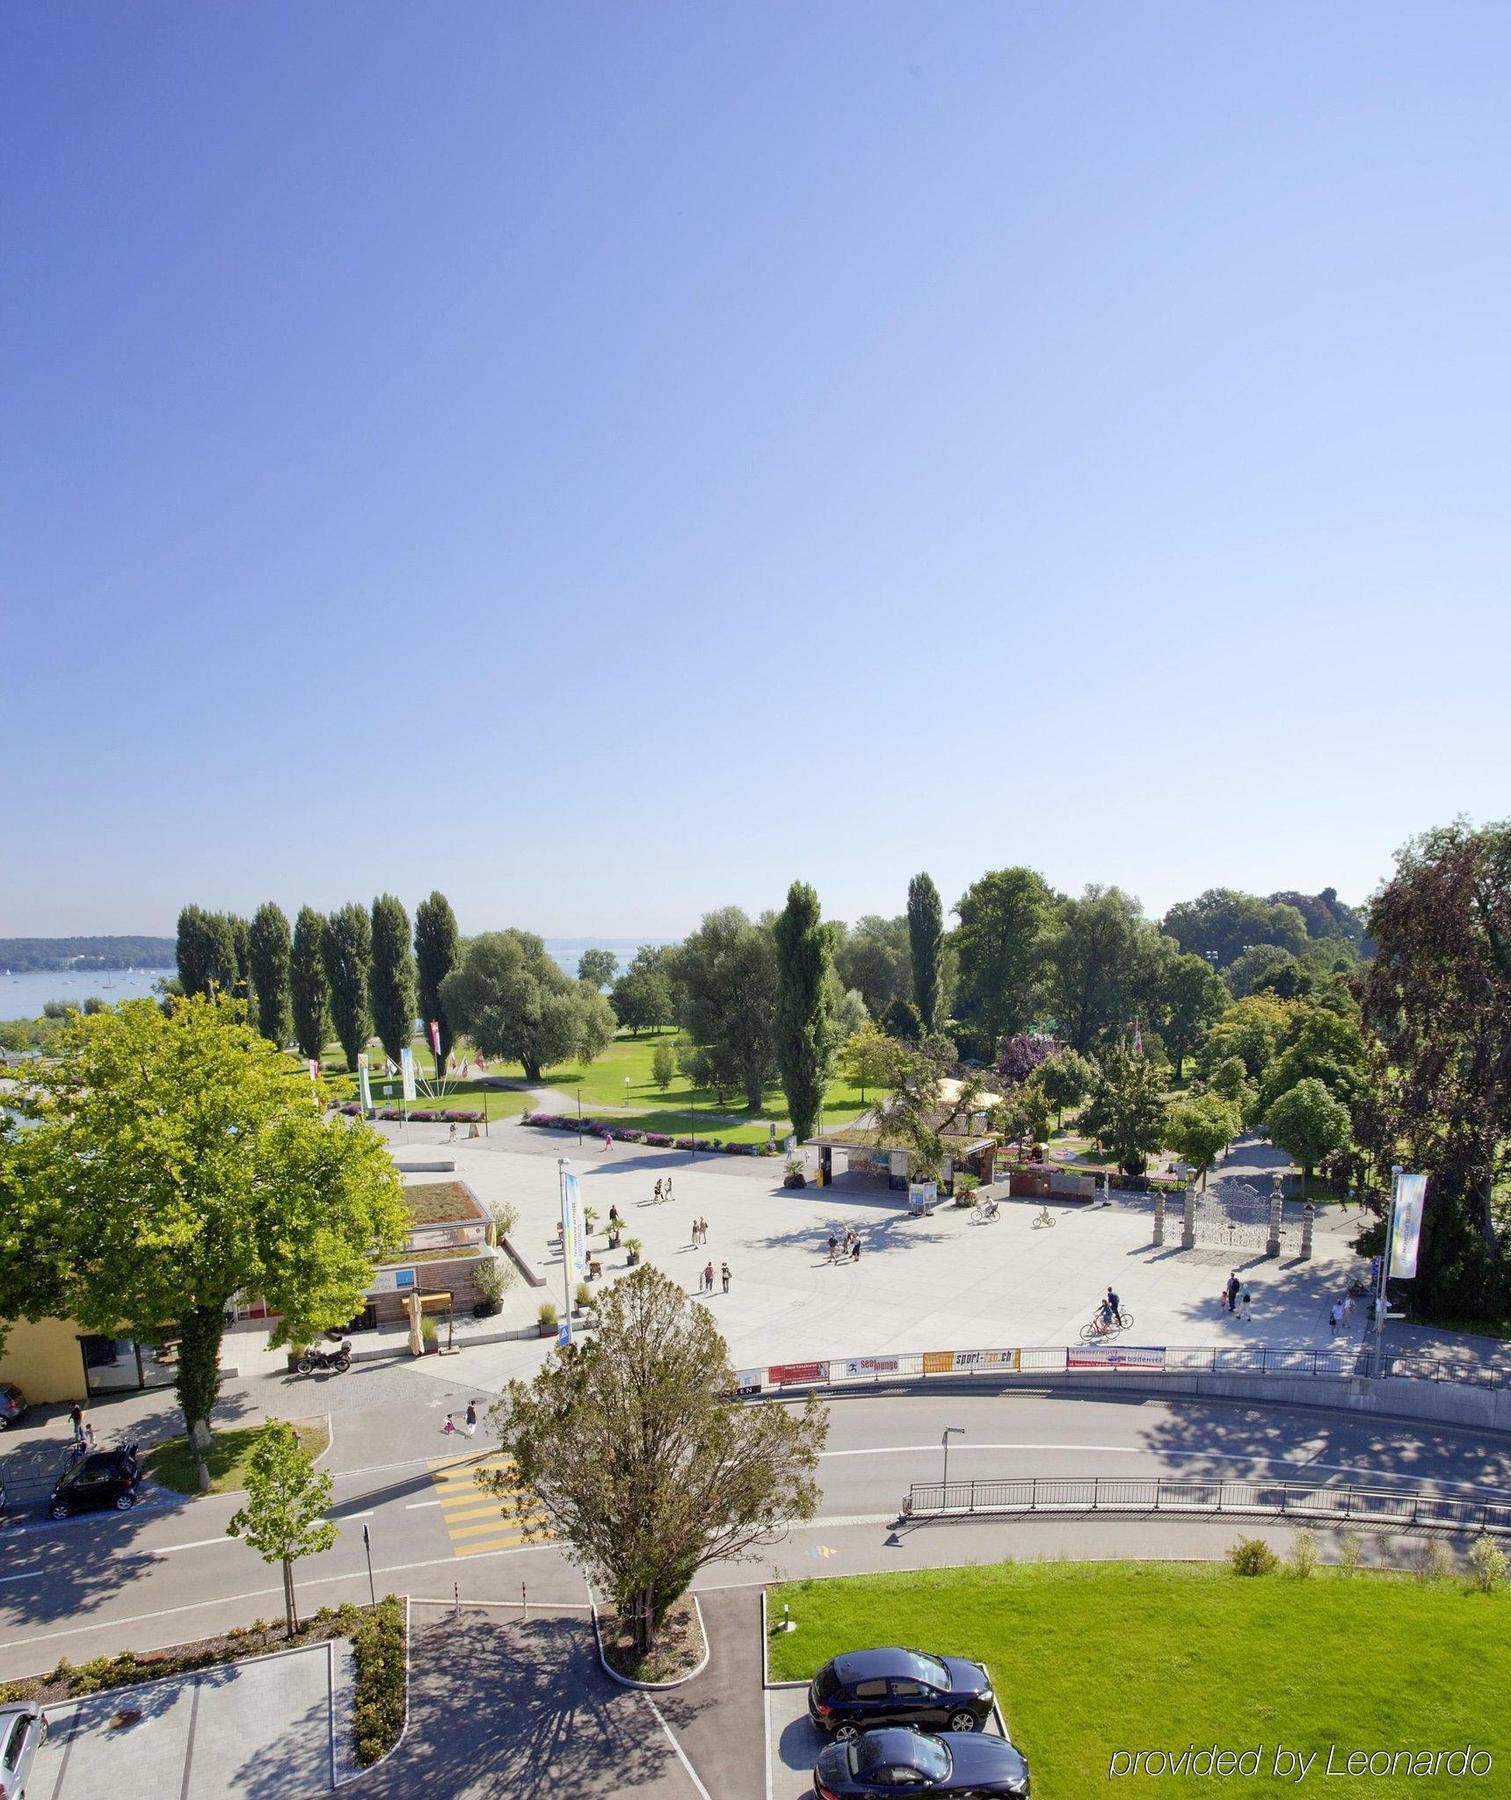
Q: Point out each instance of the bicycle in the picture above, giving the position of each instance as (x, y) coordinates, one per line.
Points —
(986, 1212)
(1043, 1217)
(1100, 1326)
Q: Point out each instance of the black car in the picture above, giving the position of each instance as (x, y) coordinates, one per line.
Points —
(899, 1761)
(864, 1688)
(12, 1405)
(103, 1478)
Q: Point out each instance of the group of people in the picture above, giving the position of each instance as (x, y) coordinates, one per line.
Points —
(663, 1190)
(706, 1279)
(1340, 1315)
(1236, 1297)
(469, 1425)
(700, 1232)
(848, 1246)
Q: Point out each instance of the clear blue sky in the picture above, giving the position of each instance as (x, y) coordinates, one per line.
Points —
(606, 460)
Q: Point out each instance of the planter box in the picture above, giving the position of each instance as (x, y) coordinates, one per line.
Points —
(544, 1330)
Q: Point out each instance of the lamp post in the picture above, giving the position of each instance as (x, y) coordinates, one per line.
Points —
(944, 1440)
(626, 1092)
(579, 1112)
(368, 1548)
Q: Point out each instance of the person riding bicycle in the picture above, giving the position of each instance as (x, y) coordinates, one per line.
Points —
(1112, 1309)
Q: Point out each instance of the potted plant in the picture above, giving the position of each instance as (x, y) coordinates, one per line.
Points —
(614, 1231)
(546, 1319)
(794, 1178)
(632, 1248)
(488, 1283)
(581, 1300)
(429, 1336)
(589, 1220)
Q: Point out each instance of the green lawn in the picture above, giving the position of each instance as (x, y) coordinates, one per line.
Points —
(1091, 1658)
(175, 1467)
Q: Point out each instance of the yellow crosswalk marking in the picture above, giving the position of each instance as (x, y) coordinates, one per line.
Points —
(475, 1520)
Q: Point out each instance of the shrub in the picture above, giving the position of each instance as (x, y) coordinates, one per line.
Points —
(659, 1139)
(1303, 1553)
(378, 1704)
(1253, 1556)
(684, 1143)
(1431, 1560)
(583, 1297)
(429, 1337)
(1350, 1551)
(490, 1278)
(424, 1118)
(1487, 1564)
(546, 1312)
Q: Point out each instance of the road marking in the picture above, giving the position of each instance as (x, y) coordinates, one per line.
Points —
(475, 1519)
(168, 1549)
(692, 1773)
(415, 1505)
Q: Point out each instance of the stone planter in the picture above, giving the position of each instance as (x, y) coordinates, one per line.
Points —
(544, 1330)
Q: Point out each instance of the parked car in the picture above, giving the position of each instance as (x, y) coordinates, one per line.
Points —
(866, 1688)
(22, 1729)
(901, 1761)
(103, 1478)
(12, 1405)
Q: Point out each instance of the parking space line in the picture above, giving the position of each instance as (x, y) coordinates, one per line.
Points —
(692, 1773)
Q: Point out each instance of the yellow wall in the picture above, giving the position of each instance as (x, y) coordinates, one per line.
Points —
(44, 1359)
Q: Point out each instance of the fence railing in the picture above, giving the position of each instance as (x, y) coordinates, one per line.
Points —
(1279, 1499)
(1101, 1358)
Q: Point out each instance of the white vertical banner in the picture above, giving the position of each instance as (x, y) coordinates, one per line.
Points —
(574, 1238)
(406, 1066)
(1406, 1225)
(364, 1086)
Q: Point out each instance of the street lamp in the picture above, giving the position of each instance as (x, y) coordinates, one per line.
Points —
(944, 1440)
(579, 1112)
(626, 1090)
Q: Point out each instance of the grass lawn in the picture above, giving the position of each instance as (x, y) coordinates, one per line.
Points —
(1090, 1658)
(173, 1465)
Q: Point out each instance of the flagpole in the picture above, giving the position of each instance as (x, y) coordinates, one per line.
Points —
(1390, 1227)
(566, 1247)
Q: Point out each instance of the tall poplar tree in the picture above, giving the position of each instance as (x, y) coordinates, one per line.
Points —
(804, 1040)
(311, 988)
(391, 984)
(925, 940)
(271, 953)
(347, 946)
(438, 950)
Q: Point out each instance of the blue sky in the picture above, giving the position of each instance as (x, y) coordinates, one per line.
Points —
(607, 460)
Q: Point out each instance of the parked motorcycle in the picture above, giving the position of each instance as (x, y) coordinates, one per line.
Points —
(339, 1359)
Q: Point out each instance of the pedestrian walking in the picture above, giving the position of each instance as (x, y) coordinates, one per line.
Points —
(449, 1428)
(608, 1140)
(703, 1228)
(1335, 1318)
(614, 1219)
(708, 1279)
(76, 1419)
(1233, 1287)
(451, 1135)
(855, 1251)
(1245, 1302)
(471, 1417)
(724, 1275)
(695, 1234)
(656, 1197)
(668, 1194)
(1348, 1311)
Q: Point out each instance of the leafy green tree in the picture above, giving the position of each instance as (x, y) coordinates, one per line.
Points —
(727, 980)
(1230, 1080)
(347, 948)
(1190, 997)
(1266, 968)
(241, 946)
(283, 1516)
(1126, 1112)
(917, 1113)
(1226, 923)
(847, 1009)
(174, 1162)
(1004, 919)
(634, 1452)
(1097, 954)
(597, 967)
(1199, 1129)
(875, 956)
(1438, 997)
(868, 1058)
(804, 1037)
(391, 980)
(1322, 1044)
(1065, 1079)
(1023, 1112)
(925, 950)
(272, 953)
(1250, 1029)
(437, 951)
(514, 1002)
(663, 1065)
(902, 1022)
(1308, 1124)
(642, 996)
(206, 952)
(309, 986)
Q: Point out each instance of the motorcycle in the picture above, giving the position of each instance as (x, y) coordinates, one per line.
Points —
(339, 1359)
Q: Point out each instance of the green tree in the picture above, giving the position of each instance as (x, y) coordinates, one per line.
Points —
(1023, 1112)
(1230, 1081)
(597, 967)
(847, 1009)
(918, 1114)
(514, 1002)
(663, 1065)
(925, 950)
(1266, 968)
(868, 1058)
(1438, 997)
(876, 957)
(283, 1516)
(1004, 918)
(1307, 1123)
(1189, 999)
(727, 981)
(241, 950)
(271, 952)
(175, 1161)
(642, 996)
(310, 989)
(1317, 1043)
(391, 980)
(1066, 1079)
(1226, 923)
(804, 1038)
(206, 952)
(437, 951)
(1250, 1029)
(640, 1460)
(1126, 1112)
(1200, 1129)
(1097, 953)
(347, 948)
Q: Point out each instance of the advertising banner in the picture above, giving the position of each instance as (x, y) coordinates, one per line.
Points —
(938, 1362)
(1406, 1225)
(780, 1374)
(574, 1239)
(406, 1065)
(364, 1088)
(314, 1068)
(749, 1381)
(391, 1281)
(922, 1195)
(435, 1037)
(1113, 1356)
(973, 1362)
(857, 1368)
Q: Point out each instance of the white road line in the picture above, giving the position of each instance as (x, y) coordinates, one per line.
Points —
(168, 1549)
(692, 1773)
(416, 1505)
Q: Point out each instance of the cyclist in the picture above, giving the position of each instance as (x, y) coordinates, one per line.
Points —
(1112, 1309)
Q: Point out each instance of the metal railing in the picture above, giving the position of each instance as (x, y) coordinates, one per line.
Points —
(1278, 1499)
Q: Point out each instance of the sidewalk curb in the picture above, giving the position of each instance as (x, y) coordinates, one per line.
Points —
(651, 1687)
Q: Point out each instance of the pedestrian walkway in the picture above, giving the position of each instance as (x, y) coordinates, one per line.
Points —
(476, 1520)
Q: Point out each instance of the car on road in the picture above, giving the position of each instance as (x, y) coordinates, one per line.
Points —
(12, 1405)
(103, 1478)
(866, 1688)
(22, 1729)
(899, 1761)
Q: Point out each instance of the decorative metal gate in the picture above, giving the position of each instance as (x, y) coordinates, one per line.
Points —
(1236, 1216)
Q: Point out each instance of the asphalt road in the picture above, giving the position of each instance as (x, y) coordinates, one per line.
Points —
(167, 1572)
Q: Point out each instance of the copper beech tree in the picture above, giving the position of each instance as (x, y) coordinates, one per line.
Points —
(646, 1466)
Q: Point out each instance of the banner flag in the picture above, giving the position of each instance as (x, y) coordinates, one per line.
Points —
(435, 1036)
(574, 1239)
(1406, 1225)
(314, 1068)
(364, 1088)
(406, 1063)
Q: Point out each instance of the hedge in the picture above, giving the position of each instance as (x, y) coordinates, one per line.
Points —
(378, 1704)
